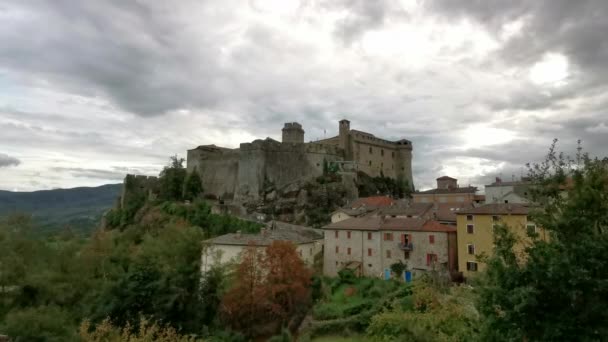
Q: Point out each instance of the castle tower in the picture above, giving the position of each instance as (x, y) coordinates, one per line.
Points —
(344, 131)
(293, 133)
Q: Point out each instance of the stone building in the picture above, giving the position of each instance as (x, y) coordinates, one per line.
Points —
(227, 248)
(243, 173)
(371, 244)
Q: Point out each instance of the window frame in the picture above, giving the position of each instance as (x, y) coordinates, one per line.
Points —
(472, 230)
(470, 247)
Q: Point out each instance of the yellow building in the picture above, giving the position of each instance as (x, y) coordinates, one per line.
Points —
(475, 232)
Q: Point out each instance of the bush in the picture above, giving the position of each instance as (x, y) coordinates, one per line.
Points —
(44, 323)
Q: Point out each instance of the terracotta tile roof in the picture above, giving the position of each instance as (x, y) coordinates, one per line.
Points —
(413, 209)
(497, 208)
(446, 212)
(375, 202)
(376, 223)
(511, 183)
(479, 197)
(355, 212)
(462, 190)
(434, 226)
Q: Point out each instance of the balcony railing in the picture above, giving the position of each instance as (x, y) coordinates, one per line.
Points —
(406, 246)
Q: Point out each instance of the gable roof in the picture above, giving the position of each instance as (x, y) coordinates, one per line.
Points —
(261, 239)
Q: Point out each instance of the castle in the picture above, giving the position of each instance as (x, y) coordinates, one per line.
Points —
(244, 172)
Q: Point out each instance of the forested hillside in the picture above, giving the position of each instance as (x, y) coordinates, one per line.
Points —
(53, 210)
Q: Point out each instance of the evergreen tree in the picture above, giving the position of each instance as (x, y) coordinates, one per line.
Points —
(172, 180)
(193, 186)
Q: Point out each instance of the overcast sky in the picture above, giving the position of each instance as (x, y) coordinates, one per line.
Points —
(91, 90)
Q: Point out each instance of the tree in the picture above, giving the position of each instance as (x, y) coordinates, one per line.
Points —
(398, 268)
(172, 179)
(270, 290)
(558, 290)
(244, 305)
(193, 186)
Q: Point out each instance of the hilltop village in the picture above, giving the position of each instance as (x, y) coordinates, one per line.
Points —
(313, 195)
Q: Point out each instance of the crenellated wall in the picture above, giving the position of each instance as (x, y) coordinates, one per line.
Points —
(218, 168)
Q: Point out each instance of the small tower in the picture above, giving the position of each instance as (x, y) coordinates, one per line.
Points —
(344, 131)
(293, 133)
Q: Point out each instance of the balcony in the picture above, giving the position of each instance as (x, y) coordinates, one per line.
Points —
(408, 246)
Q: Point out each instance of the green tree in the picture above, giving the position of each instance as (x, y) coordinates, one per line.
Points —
(193, 186)
(172, 179)
(558, 290)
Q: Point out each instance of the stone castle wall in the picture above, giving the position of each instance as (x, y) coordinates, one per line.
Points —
(245, 172)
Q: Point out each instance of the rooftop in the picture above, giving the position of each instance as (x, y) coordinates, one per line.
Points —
(265, 238)
(446, 178)
(498, 208)
(374, 201)
(379, 223)
(463, 190)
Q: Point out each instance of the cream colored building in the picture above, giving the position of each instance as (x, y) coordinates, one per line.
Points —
(228, 248)
(508, 192)
(371, 244)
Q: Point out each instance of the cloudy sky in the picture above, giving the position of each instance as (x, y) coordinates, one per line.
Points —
(91, 90)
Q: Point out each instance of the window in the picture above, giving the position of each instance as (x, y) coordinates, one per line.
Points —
(471, 249)
(348, 251)
(369, 252)
(369, 265)
(388, 236)
(471, 266)
(310, 251)
(336, 234)
(370, 163)
(431, 259)
(431, 239)
(470, 229)
(382, 153)
(381, 165)
(495, 218)
(393, 154)
(388, 254)
(469, 217)
(369, 236)
(370, 151)
(531, 229)
(337, 249)
(348, 235)
(506, 201)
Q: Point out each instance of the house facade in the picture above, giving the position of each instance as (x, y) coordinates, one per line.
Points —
(228, 248)
(508, 192)
(372, 244)
(476, 232)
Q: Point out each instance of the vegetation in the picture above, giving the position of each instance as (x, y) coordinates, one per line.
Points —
(76, 210)
(557, 291)
(271, 291)
(380, 185)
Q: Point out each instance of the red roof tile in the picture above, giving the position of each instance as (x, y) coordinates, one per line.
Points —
(375, 201)
(376, 223)
(497, 208)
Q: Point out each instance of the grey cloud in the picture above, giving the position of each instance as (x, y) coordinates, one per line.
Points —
(576, 29)
(90, 173)
(363, 15)
(6, 160)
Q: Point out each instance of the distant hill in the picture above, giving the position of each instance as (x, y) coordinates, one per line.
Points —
(53, 210)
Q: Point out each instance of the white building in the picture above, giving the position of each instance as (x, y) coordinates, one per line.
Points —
(227, 248)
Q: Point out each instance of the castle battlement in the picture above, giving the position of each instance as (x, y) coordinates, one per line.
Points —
(242, 172)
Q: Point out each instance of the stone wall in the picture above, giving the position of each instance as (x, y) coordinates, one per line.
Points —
(136, 187)
(218, 168)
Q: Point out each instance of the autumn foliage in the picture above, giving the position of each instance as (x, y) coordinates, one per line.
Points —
(271, 288)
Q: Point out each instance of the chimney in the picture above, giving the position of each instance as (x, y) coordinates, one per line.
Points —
(238, 234)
